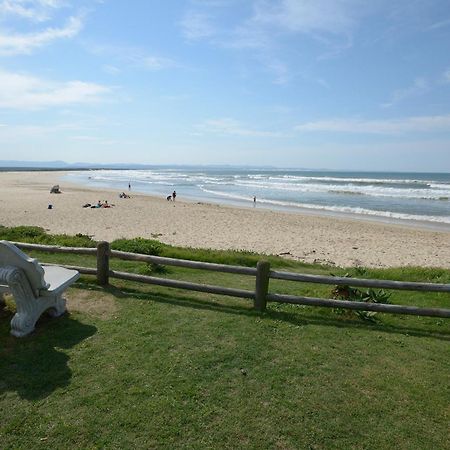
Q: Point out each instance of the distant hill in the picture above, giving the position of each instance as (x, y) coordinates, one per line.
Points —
(11, 164)
(63, 165)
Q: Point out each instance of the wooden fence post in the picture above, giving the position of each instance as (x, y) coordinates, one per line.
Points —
(262, 285)
(103, 263)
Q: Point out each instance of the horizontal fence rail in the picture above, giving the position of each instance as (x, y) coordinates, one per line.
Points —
(183, 263)
(183, 285)
(56, 248)
(262, 274)
(361, 306)
(347, 281)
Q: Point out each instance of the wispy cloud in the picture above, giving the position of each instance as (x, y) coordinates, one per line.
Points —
(420, 86)
(13, 132)
(323, 16)
(329, 22)
(232, 127)
(94, 139)
(111, 70)
(155, 62)
(33, 10)
(418, 124)
(17, 43)
(447, 76)
(197, 25)
(26, 92)
(280, 70)
(132, 56)
(323, 20)
(440, 24)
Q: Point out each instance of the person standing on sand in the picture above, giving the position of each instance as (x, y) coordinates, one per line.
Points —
(174, 195)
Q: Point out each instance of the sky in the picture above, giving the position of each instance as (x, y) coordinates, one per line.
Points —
(335, 84)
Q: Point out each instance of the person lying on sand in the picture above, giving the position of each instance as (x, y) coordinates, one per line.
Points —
(98, 205)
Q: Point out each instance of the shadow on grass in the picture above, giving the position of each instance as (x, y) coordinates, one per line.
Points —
(295, 318)
(33, 366)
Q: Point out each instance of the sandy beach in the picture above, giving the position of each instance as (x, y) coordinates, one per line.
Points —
(341, 242)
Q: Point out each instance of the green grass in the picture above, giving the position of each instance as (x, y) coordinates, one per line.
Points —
(138, 366)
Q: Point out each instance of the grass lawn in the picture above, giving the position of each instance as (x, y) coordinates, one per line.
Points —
(138, 366)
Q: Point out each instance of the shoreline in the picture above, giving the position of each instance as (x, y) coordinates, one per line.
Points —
(311, 238)
(227, 201)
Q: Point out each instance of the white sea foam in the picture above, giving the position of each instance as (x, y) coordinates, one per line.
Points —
(375, 191)
(409, 199)
(302, 178)
(336, 209)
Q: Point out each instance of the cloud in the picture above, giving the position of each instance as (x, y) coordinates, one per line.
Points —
(304, 16)
(33, 10)
(155, 62)
(111, 70)
(196, 25)
(419, 124)
(280, 70)
(94, 139)
(231, 127)
(132, 56)
(26, 92)
(323, 20)
(269, 23)
(420, 86)
(15, 43)
(438, 25)
(447, 76)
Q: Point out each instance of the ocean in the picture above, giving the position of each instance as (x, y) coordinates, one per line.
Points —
(421, 198)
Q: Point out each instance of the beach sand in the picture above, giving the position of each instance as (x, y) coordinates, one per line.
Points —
(314, 239)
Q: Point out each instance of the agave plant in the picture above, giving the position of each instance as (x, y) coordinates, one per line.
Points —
(345, 292)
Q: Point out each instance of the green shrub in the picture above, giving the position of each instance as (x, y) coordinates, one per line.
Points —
(24, 233)
(138, 245)
(37, 235)
(144, 246)
(79, 240)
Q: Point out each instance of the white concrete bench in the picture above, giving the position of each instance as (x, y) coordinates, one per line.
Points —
(35, 287)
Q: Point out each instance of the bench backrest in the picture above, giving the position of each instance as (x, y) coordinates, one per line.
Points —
(10, 255)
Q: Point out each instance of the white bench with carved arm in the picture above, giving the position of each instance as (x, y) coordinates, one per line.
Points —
(35, 287)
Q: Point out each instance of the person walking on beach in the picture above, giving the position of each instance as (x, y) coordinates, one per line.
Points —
(129, 186)
(174, 195)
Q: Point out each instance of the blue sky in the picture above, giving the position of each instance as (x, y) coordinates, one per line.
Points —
(343, 84)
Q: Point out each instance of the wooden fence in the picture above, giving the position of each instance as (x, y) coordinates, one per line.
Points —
(262, 274)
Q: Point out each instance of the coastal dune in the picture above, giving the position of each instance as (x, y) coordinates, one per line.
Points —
(309, 238)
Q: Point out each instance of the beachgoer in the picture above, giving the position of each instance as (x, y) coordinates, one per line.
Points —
(254, 199)
(174, 195)
(129, 186)
(168, 198)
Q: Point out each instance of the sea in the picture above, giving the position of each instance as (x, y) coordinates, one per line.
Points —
(418, 199)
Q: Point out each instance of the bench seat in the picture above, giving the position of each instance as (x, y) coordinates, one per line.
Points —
(58, 279)
(36, 288)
